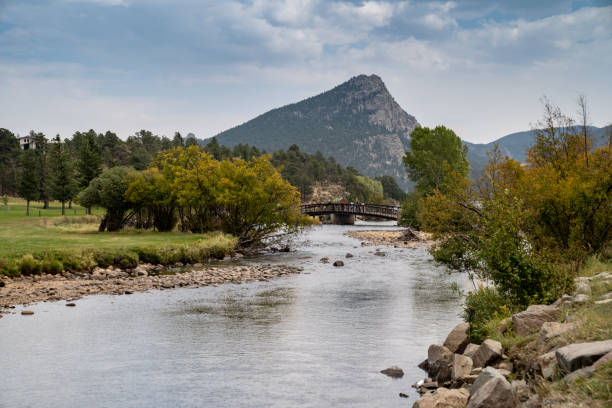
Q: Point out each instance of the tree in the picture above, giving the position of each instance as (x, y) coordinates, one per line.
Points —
(63, 184)
(177, 141)
(152, 192)
(89, 161)
(28, 185)
(391, 189)
(433, 155)
(108, 191)
(43, 167)
(9, 155)
(435, 159)
(583, 114)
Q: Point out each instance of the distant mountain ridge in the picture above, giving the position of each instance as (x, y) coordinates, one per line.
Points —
(358, 123)
(515, 146)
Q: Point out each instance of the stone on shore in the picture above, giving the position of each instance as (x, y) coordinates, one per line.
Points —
(484, 377)
(458, 338)
(497, 392)
(488, 352)
(603, 360)
(27, 312)
(348, 255)
(338, 263)
(325, 259)
(578, 355)
(533, 318)
(548, 364)
(551, 330)
(443, 398)
(394, 372)
(470, 349)
(439, 360)
(71, 304)
(461, 367)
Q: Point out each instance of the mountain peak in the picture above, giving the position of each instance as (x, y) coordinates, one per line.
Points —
(358, 122)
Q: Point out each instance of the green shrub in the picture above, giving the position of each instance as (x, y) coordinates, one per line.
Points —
(150, 255)
(30, 266)
(52, 266)
(103, 259)
(480, 307)
(126, 259)
(8, 267)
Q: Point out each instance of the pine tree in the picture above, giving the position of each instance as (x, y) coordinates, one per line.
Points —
(40, 141)
(28, 185)
(63, 185)
(89, 162)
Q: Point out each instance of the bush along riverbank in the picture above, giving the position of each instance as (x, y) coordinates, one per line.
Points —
(55, 261)
(557, 355)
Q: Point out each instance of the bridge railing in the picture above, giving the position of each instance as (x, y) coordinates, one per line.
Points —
(354, 208)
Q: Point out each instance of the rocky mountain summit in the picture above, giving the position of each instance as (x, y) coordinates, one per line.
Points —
(358, 123)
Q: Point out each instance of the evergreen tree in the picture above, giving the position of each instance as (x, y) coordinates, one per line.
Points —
(89, 161)
(40, 142)
(9, 154)
(178, 140)
(28, 184)
(63, 184)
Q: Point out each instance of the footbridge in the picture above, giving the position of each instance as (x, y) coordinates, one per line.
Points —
(344, 213)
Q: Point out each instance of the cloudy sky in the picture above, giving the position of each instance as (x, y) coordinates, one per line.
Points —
(201, 66)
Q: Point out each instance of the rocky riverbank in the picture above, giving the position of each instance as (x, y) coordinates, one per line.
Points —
(114, 281)
(405, 238)
(544, 357)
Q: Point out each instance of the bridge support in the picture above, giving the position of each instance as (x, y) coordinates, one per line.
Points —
(343, 219)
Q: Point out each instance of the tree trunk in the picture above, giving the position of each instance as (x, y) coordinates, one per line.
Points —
(63, 208)
(46, 205)
(28, 208)
(70, 204)
(88, 211)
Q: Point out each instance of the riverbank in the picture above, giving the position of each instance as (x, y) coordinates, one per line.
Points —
(404, 238)
(557, 355)
(115, 281)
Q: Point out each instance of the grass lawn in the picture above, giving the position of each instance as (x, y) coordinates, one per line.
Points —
(49, 232)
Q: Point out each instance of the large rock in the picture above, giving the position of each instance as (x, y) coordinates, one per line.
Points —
(439, 360)
(603, 360)
(533, 318)
(488, 352)
(582, 286)
(548, 364)
(458, 338)
(494, 393)
(461, 366)
(484, 377)
(443, 398)
(470, 349)
(394, 372)
(580, 355)
(551, 330)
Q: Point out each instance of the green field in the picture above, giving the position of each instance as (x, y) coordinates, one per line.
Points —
(50, 233)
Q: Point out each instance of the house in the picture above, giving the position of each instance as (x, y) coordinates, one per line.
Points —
(27, 142)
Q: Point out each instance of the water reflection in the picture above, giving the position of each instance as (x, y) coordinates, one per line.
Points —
(314, 340)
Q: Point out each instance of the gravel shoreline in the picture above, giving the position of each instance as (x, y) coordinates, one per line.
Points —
(114, 281)
(395, 238)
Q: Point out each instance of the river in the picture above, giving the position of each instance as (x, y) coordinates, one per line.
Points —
(318, 339)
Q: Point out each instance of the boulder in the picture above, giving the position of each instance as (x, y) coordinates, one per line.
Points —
(520, 389)
(394, 372)
(581, 298)
(443, 398)
(578, 355)
(484, 377)
(494, 393)
(325, 259)
(71, 304)
(551, 330)
(603, 360)
(533, 318)
(585, 372)
(461, 366)
(470, 349)
(338, 263)
(458, 338)
(563, 300)
(603, 302)
(439, 360)
(487, 353)
(349, 255)
(548, 364)
(582, 286)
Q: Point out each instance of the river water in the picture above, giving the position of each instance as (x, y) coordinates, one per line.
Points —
(318, 339)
